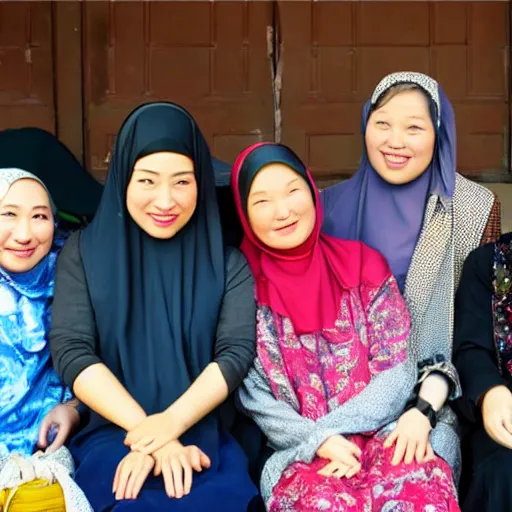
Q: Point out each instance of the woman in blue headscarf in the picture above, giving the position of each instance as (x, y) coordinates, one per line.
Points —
(37, 412)
(31, 393)
(408, 202)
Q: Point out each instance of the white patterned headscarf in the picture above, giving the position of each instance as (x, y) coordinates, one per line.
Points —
(16, 470)
(9, 176)
(427, 83)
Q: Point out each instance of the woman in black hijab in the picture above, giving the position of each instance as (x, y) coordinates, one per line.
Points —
(76, 191)
(153, 326)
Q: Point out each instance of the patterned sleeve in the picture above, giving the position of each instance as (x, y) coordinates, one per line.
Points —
(68, 395)
(389, 323)
(388, 326)
(493, 229)
(283, 426)
(438, 364)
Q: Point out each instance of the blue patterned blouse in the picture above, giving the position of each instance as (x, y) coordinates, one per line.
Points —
(29, 386)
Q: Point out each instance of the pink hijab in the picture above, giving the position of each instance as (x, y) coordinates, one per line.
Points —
(303, 284)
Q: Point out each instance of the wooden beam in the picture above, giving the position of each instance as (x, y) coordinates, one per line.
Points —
(67, 18)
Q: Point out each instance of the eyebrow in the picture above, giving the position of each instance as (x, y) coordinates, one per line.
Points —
(179, 173)
(39, 206)
(384, 112)
(259, 192)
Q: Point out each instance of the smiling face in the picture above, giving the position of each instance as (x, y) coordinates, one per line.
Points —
(400, 137)
(280, 207)
(26, 226)
(162, 193)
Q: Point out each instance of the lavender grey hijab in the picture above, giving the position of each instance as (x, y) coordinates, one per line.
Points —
(389, 217)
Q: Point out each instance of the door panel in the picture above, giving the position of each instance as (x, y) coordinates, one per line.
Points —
(26, 65)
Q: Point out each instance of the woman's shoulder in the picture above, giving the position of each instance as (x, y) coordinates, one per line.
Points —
(375, 269)
(70, 252)
(481, 259)
(473, 197)
(472, 209)
(237, 268)
(234, 257)
(478, 268)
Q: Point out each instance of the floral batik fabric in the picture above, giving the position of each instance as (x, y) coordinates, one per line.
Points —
(316, 374)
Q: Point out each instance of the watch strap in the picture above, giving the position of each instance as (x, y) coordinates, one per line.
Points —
(425, 408)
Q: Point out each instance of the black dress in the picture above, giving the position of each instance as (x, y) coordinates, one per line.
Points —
(488, 463)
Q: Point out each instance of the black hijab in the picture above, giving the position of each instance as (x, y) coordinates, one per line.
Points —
(156, 302)
(73, 190)
(261, 156)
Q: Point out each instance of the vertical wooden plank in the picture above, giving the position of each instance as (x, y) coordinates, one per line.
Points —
(68, 75)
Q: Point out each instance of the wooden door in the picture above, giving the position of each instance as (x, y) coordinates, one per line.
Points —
(210, 57)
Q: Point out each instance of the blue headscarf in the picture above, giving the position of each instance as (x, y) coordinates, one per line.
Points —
(389, 217)
(29, 386)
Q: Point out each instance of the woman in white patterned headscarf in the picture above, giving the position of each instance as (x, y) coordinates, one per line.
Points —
(37, 411)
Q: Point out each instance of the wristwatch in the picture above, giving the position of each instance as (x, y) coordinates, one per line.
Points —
(425, 408)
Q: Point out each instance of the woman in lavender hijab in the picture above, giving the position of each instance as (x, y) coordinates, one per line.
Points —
(408, 202)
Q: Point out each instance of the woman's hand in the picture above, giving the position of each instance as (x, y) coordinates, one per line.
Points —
(131, 473)
(411, 438)
(64, 418)
(176, 462)
(339, 469)
(344, 456)
(339, 449)
(152, 433)
(497, 415)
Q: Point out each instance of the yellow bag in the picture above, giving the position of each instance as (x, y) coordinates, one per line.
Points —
(35, 496)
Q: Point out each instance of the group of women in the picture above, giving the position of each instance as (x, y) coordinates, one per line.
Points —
(338, 347)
